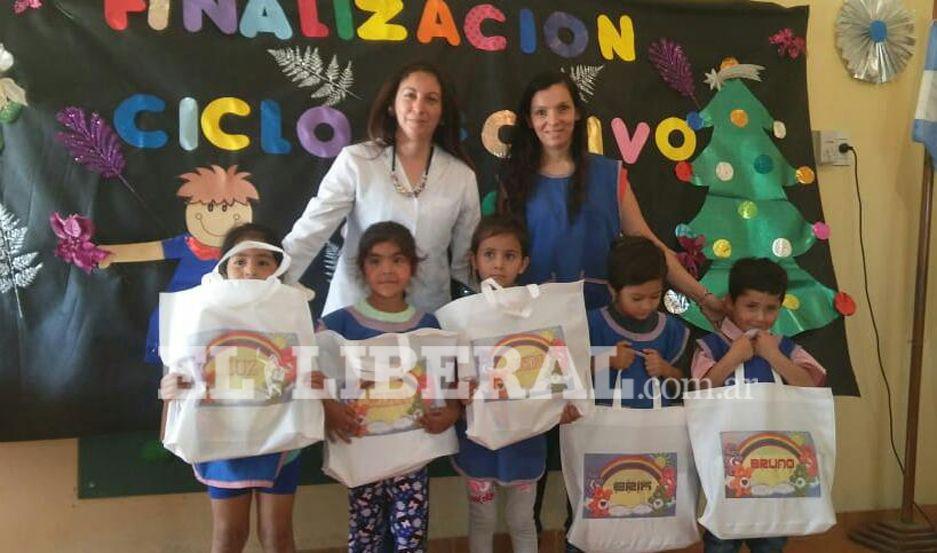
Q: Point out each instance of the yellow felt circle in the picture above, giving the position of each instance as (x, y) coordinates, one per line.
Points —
(722, 248)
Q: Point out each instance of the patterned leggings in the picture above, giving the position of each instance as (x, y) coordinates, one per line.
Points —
(402, 503)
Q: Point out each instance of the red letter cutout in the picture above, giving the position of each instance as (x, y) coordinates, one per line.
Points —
(115, 12)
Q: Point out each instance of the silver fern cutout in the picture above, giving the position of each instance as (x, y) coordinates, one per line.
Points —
(306, 69)
(584, 76)
(16, 268)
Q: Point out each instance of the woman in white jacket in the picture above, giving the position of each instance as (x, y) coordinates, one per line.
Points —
(412, 171)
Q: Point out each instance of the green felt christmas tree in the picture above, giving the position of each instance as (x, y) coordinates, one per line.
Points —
(746, 212)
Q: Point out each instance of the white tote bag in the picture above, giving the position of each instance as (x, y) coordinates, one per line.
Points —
(630, 478)
(766, 453)
(530, 356)
(402, 373)
(246, 346)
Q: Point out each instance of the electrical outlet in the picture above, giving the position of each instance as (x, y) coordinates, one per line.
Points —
(826, 148)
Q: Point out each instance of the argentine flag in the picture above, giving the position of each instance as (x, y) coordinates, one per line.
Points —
(925, 118)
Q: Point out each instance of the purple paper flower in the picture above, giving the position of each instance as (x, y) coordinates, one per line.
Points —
(75, 246)
(22, 5)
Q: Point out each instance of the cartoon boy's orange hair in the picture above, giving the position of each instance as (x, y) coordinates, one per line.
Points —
(217, 185)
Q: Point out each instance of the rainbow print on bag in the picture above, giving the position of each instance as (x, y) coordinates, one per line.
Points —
(629, 486)
(395, 405)
(770, 464)
(247, 367)
(535, 363)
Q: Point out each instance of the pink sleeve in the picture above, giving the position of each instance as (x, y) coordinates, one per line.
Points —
(702, 361)
(804, 360)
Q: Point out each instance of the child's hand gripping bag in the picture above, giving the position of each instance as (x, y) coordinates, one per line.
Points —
(390, 381)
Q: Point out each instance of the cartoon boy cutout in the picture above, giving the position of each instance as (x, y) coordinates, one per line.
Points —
(216, 201)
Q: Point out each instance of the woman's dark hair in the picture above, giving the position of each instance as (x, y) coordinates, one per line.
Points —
(634, 260)
(382, 122)
(522, 165)
(758, 274)
(494, 225)
(249, 231)
(387, 231)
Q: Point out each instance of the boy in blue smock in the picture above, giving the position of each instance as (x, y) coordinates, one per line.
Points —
(756, 292)
(649, 344)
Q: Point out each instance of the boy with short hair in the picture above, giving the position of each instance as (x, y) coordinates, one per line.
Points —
(756, 292)
(649, 344)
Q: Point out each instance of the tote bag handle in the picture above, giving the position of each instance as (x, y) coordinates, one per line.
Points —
(523, 309)
(740, 376)
(656, 394)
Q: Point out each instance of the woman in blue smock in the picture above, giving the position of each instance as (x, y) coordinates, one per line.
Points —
(575, 204)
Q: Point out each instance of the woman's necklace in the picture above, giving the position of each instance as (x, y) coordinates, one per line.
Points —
(415, 190)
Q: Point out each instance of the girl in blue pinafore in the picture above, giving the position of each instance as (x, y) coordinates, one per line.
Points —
(499, 251)
(391, 514)
(272, 478)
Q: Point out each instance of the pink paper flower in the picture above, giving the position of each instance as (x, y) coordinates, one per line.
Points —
(75, 246)
(22, 5)
(821, 230)
(788, 43)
